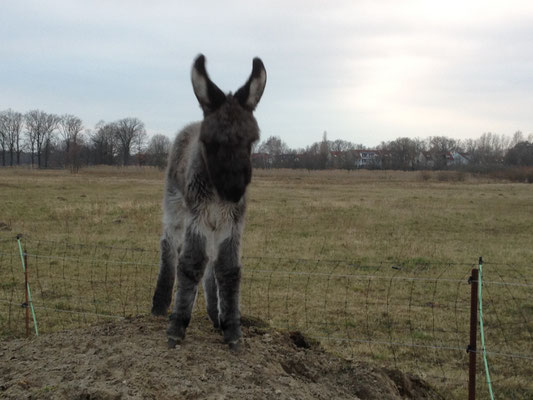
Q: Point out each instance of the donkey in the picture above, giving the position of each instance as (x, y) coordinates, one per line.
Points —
(209, 169)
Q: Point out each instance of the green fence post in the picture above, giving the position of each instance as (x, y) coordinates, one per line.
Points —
(482, 334)
(28, 291)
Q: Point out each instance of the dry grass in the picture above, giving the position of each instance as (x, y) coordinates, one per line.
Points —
(432, 226)
(361, 215)
(367, 215)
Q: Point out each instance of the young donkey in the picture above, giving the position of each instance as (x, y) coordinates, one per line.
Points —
(209, 168)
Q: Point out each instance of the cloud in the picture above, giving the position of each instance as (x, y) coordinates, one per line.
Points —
(364, 71)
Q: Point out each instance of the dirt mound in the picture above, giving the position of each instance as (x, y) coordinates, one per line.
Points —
(129, 359)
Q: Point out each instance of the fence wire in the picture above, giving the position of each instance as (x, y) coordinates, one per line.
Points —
(413, 317)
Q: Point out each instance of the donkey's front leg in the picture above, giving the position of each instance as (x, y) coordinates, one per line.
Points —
(165, 281)
(191, 266)
(228, 274)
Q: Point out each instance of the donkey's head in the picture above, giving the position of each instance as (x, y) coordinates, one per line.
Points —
(229, 128)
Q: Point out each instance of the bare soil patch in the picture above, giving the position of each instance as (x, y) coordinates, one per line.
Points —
(129, 359)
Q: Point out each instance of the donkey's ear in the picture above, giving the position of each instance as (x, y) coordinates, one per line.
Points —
(207, 93)
(250, 94)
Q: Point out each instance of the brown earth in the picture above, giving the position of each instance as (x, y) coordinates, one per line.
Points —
(129, 359)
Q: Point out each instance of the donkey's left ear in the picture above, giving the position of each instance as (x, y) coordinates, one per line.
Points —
(250, 94)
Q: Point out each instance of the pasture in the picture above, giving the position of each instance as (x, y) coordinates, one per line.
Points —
(373, 257)
(357, 215)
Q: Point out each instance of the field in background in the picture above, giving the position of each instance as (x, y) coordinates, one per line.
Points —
(356, 215)
(404, 243)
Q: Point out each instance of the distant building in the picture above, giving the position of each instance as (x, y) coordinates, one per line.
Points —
(367, 158)
(262, 160)
(459, 158)
(265, 160)
(428, 159)
(425, 160)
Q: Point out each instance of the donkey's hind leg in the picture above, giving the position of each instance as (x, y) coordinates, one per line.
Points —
(165, 280)
(191, 265)
(211, 295)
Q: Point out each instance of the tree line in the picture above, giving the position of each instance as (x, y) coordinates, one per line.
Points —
(489, 151)
(45, 140)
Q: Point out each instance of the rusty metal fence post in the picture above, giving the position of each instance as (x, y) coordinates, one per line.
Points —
(472, 347)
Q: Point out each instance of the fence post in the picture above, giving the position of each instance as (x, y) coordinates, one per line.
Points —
(481, 329)
(27, 302)
(472, 347)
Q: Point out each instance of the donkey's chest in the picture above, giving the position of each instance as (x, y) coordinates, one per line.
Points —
(216, 216)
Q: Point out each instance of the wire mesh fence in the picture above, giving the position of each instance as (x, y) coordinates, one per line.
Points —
(411, 316)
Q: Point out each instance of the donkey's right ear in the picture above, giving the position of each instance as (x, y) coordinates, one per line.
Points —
(208, 94)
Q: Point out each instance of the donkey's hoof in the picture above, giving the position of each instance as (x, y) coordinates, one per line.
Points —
(159, 308)
(159, 312)
(215, 326)
(235, 347)
(173, 342)
(232, 333)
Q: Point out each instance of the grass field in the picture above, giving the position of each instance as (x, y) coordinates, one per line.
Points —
(360, 215)
(371, 257)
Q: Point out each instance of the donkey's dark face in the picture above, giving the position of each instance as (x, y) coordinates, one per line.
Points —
(229, 128)
(228, 135)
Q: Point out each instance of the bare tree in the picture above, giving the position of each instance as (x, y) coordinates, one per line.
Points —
(158, 150)
(518, 137)
(343, 145)
(441, 144)
(128, 132)
(3, 142)
(17, 120)
(324, 151)
(140, 147)
(70, 128)
(30, 140)
(439, 147)
(311, 157)
(104, 143)
(273, 146)
(40, 127)
(402, 153)
(520, 154)
(489, 149)
(11, 126)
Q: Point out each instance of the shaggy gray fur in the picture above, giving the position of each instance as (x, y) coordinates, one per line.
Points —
(209, 169)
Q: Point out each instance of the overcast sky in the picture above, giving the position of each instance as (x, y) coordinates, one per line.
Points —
(364, 71)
